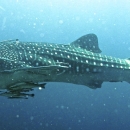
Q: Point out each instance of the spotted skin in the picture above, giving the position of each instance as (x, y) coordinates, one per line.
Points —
(33, 62)
(40, 54)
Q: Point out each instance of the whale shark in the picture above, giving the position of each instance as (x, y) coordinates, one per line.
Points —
(28, 65)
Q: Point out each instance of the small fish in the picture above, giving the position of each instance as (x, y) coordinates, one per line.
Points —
(26, 65)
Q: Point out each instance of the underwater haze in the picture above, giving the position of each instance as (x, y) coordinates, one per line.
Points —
(64, 106)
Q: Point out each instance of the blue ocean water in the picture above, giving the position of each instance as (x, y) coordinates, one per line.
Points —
(63, 106)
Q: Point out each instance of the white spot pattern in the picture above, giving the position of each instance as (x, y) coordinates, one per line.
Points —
(34, 54)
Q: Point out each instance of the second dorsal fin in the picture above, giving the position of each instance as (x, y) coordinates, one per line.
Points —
(88, 42)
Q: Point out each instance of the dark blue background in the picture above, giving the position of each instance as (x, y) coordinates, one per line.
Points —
(64, 106)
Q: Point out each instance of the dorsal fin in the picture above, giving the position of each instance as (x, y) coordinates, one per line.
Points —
(88, 42)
